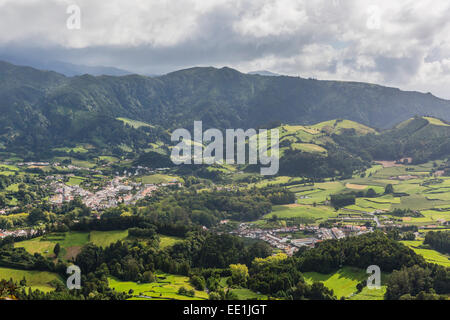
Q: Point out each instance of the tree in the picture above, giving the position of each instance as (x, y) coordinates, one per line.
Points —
(36, 215)
(2, 200)
(23, 282)
(371, 193)
(389, 189)
(148, 277)
(239, 274)
(198, 283)
(182, 291)
(57, 249)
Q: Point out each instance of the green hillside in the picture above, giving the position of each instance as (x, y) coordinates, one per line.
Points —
(41, 109)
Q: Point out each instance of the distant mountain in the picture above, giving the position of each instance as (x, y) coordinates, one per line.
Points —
(264, 73)
(41, 107)
(70, 69)
(65, 68)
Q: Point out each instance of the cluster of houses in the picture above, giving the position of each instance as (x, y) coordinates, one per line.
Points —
(289, 244)
(33, 164)
(17, 233)
(116, 191)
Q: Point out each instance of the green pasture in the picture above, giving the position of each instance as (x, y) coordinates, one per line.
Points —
(35, 279)
(70, 242)
(301, 211)
(165, 288)
(158, 179)
(343, 282)
(429, 254)
(105, 238)
(168, 241)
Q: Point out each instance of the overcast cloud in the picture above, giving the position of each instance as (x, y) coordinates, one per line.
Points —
(402, 43)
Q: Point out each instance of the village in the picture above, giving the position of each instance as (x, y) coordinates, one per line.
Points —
(116, 191)
(284, 238)
(20, 233)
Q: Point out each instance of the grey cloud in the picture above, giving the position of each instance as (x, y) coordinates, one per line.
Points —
(330, 41)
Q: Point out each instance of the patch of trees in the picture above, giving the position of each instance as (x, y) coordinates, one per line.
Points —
(154, 160)
(130, 261)
(217, 251)
(142, 233)
(342, 200)
(430, 282)
(19, 258)
(337, 163)
(439, 241)
(406, 213)
(208, 208)
(147, 223)
(280, 277)
(362, 251)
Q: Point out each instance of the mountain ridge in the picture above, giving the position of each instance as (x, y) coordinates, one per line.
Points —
(42, 106)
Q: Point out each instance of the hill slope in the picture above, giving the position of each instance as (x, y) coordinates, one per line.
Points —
(422, 138)
(46, 108)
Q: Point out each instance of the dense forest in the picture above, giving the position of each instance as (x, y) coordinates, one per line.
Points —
(439, 241)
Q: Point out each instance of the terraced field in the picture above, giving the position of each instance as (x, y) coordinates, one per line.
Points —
(422, 192)
(429, 254)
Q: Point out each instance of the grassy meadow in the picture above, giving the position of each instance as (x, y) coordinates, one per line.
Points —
(165, 288)
(35, 279)
(343, 282)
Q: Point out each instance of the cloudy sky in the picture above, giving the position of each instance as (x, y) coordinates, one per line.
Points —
(402, 43)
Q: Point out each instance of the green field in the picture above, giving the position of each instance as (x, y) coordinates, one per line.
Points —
(370, 294)
(105, 238)
(247, 294)
(429, 254)
(423, 193)
(158, 179)
(75, 181)
(317, 193)
(110, 159)
(134, 123)
(70, 242)
(301, 211)
(168, 241)
(35, 279)
(165, 288)
(77, 149)
(344, 281)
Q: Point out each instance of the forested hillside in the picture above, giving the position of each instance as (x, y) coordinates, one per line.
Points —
(40, 108)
